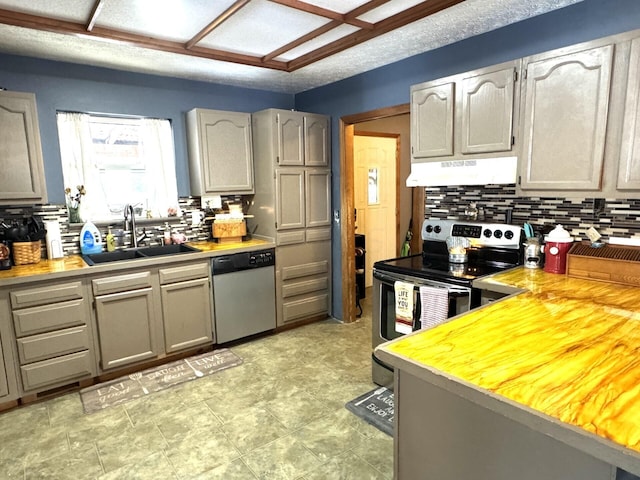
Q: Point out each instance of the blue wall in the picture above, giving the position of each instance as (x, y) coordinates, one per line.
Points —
(64, 86)
(389, 85)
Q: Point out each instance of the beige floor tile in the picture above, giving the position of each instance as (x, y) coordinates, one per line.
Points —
(153, 467)
(296, 410)
(86, 430)
(347, 466)
(130, 447)
(12, 469)
(188, 425)
(235, 470)
(377, 450)
(254, 427)
(198, 454)
(65, 409)
(284, 459)
(77, 465)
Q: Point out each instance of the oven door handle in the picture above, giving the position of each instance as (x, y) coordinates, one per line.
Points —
(390, 280)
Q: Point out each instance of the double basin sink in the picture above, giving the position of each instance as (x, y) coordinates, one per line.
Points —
(92, 259)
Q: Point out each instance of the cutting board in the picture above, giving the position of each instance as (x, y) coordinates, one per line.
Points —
(229, 230)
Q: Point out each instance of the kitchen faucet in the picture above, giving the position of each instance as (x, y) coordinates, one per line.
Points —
(130, 224)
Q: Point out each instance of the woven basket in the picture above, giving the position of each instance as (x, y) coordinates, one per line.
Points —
(25, 253)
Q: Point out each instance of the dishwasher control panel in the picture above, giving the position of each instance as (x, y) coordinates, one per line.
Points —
(265, 258)
(237, 262)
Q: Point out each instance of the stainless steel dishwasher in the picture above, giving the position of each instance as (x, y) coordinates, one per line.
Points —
(244, 294)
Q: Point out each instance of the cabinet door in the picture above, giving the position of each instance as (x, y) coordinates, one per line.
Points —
(487, 112)
(4, 387)
(317, 197)
(290, 131)
(126, 327)
(565, 119)
(629, 167)
(22, 179)
(290, 206)
(316, 140)
(432, 120)
(186, 313)
(227, 151)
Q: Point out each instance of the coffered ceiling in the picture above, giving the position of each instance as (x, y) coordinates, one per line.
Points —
(280, 45)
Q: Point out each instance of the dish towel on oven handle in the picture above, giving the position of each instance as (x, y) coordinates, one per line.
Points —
(434, 302)
(404, 306)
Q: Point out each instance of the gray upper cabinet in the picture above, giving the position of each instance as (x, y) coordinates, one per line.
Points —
(22, 180)
(564, 119)
(220, 152)
(465, 116)
(432, 120)
(487, 111)
(629, 166)
(302, 139)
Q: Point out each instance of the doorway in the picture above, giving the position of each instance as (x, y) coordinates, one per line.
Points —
(376, 165)
(348, 126)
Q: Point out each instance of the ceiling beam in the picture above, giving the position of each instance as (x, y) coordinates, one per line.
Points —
(405, 17)
(9, 17)
(97, 8)
(323, 12)
(224, 16)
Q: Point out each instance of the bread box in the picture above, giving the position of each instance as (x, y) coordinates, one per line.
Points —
(610, 263)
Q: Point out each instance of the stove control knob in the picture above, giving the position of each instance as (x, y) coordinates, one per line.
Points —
(487, 233)
(508, 234)
(497, 234)
(437, 229)
(429, 229)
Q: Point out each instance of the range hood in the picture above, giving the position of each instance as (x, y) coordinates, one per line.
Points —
(485, 171)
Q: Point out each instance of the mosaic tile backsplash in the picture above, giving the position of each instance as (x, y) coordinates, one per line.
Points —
(71, 232)
(614, 218)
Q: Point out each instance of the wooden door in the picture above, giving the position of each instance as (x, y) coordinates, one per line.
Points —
(432, 121)
(486, 112)
(565, 120)
(290, 138)
(375, 194)
(629, 167)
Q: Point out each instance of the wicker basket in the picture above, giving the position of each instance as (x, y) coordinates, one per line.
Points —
(25, 253)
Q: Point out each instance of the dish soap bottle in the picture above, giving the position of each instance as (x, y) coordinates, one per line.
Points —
(110, 240)
(90, 239)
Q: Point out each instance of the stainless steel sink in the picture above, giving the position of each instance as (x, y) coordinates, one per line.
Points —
(136, 253)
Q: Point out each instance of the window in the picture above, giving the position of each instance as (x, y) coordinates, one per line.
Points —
(119, 160)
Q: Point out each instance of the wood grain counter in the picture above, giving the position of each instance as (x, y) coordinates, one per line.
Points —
(73, 265)
(565, 353)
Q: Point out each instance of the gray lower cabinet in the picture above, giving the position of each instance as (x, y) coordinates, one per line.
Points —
(303, 281)
(125, 310)
(54, 339)
(4, 384)
(187, 313)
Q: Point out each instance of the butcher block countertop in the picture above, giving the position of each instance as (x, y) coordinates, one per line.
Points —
(73, 265)
(561, 356)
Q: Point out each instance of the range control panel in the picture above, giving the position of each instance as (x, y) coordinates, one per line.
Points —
(480, 234)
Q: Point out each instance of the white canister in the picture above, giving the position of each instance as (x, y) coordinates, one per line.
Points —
(54, 239)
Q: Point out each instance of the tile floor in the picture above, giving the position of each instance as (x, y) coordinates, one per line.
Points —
(279, 415)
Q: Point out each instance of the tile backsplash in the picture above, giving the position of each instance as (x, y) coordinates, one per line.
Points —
(71, 232)
(615, 218)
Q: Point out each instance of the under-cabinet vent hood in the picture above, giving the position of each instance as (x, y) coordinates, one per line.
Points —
(483, 171)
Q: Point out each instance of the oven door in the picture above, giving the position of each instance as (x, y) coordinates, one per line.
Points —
(461, 299)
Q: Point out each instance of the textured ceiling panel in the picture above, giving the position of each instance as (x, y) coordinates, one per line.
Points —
(261, 27)
(332, 35)
(387, 9)
(72, 10)
(177, 20)
(466, 19)
(343, 6)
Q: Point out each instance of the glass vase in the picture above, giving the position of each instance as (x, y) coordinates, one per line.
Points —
(74, 214)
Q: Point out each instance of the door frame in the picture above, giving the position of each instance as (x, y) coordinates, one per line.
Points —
(347, 203)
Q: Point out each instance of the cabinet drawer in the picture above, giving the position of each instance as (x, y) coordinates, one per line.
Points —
(290, 238)
(45, 295)
(121, 283)
(53, 344)
(58, 370)
(304, 270)
(184, 272)
(30, 321)
(300, 288)
(306, 307)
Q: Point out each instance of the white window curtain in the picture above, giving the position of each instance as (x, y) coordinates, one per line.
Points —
(80, 167)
